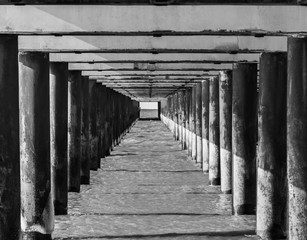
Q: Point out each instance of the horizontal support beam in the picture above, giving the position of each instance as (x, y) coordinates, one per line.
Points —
(147, 83)
(149, 44)
(163, 88)
(154, 2)
(99, 19)
(143, 76)
(150, 81)
(157, 58)
(171, 72)
(158, 78)
(145, 66)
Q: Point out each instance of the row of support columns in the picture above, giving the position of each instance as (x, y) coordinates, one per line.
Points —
(55, 126)
(250, 134)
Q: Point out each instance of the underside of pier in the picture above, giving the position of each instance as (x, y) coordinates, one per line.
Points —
(229, 79)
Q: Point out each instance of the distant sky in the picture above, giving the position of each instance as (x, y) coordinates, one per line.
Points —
(149, 105)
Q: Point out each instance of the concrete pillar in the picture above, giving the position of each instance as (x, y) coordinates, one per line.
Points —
(193, 122)
(184, 119)
(103, 121)
(198, 125)
(176, 117)
(121, 117)
(272, 146)
(74, 130)
(244, 137)
(107, 121)
(117, 118)
(169, 104)
(214, 132)
(37, 213)
(159, 110)
(85, 144)
(205, 124)
(110, 109)
(9, 139)
(189, 133)
(58, 135)
(297, 136)
(98, 124)
(172, 118)
(179, 114)
(124, 112)
(225, 98)
(187, 119)
(113, 120)
(93, 136)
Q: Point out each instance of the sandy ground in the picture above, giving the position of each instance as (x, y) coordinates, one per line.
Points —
(149, 189)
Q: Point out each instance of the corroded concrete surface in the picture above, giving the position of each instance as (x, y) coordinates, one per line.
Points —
(149, 189)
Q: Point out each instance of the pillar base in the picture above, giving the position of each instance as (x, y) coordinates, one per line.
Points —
(74, 189)
(35, 236)
(276, 233)
(107, 153)
(227, 192)
(245, 209)
(215, 182)
(198, 165)
(59, 208)
(84, 180)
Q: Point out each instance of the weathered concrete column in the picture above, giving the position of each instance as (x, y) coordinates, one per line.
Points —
(198, 125)
(114, 118)
(169, 107)
(244, 137)
(176, 117)
(93, 137)
(103, 121)
(37, 213)
(124, 108)
(85, 144)
(113, 122)
(121, 111)
(179, 114)
(297, 136)
(9, 139)
(117, 118)
(193, 123)
(205, 124)
(172, 118)
(189, 126)
(58, 135)
(107, 119)
(272, 146)
(214, 132)
(98, 124)
(110, 119)
(225, 99)
(74, 130)
(184, 119)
